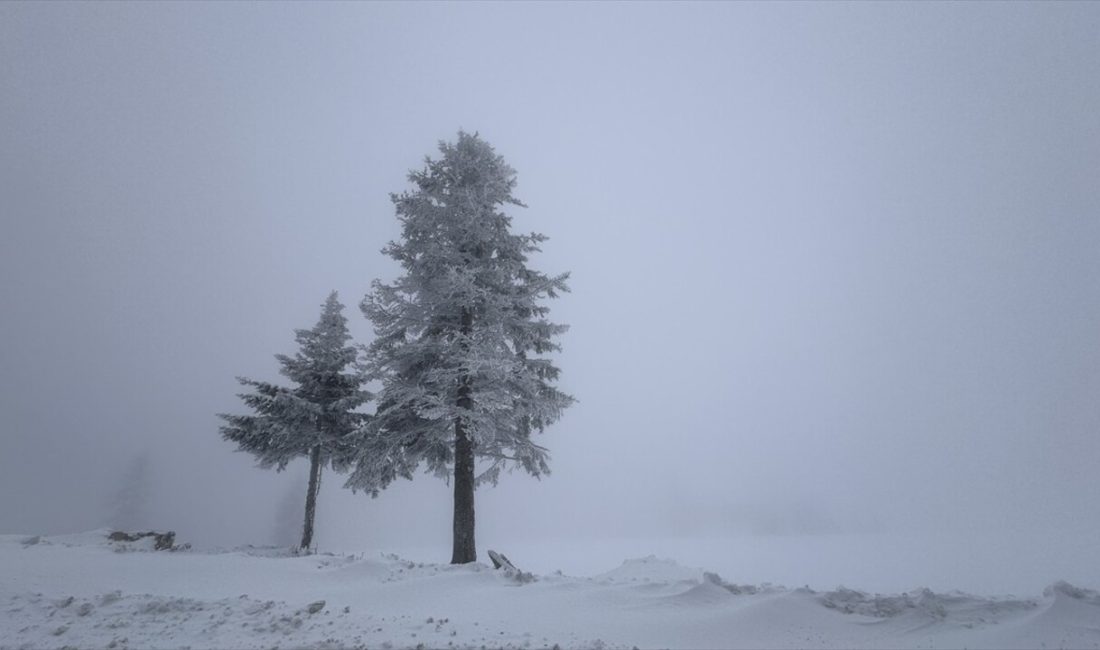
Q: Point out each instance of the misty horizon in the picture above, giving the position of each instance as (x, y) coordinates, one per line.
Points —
(833, 267)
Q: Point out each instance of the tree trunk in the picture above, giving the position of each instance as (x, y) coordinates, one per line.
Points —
(464, 548)
(311, 497)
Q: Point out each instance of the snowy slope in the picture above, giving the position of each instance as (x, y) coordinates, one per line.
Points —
(82, 591)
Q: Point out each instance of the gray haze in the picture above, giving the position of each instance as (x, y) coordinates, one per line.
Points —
(835, 267)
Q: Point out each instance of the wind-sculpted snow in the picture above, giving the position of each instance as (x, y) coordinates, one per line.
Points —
(650, 569)
(79, 591)
(923, 603)
(1063, 588)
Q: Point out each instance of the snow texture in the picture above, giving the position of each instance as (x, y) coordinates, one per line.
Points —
(84, 591)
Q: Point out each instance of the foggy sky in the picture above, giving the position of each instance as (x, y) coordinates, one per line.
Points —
(835, 266)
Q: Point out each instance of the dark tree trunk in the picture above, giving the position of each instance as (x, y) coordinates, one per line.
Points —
(464, 547)
(311, 497)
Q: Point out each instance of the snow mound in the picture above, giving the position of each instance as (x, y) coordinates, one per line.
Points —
(923, 603)
(705, 593)
(1063, 589)
(97, 537)
(76, 591)
(736, 589)
(650, 569)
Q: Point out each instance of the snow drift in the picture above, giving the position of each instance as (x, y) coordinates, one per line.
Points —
(84, 591)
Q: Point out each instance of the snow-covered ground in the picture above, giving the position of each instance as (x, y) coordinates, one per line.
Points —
(85, 592)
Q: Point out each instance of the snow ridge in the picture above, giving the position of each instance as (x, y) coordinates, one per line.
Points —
(78, 591)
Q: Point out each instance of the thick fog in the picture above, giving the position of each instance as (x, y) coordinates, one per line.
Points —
(835, 271)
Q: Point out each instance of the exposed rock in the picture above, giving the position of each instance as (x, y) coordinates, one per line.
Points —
(164, 541)
(161, 541)
(715, 579)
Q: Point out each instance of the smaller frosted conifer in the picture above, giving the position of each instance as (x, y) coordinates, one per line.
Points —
(311, 419)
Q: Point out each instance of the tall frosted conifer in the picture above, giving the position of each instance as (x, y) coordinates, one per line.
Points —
(459, 337)
(312, 419)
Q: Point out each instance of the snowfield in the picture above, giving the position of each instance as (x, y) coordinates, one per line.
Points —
(82, 591)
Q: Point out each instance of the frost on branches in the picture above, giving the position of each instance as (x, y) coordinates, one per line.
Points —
(314, 418)
(460, 337)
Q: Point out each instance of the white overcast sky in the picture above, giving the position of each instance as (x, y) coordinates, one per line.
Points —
(835, 266)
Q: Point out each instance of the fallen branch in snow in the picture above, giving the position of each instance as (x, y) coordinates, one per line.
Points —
(501, 561)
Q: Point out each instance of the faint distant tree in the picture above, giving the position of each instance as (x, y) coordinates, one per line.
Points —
(461, 337)
(314, 417)
(130, 502)
(288, 514)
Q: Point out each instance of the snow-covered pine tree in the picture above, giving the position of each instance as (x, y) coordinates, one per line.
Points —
(315, 417)
(460, 337)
